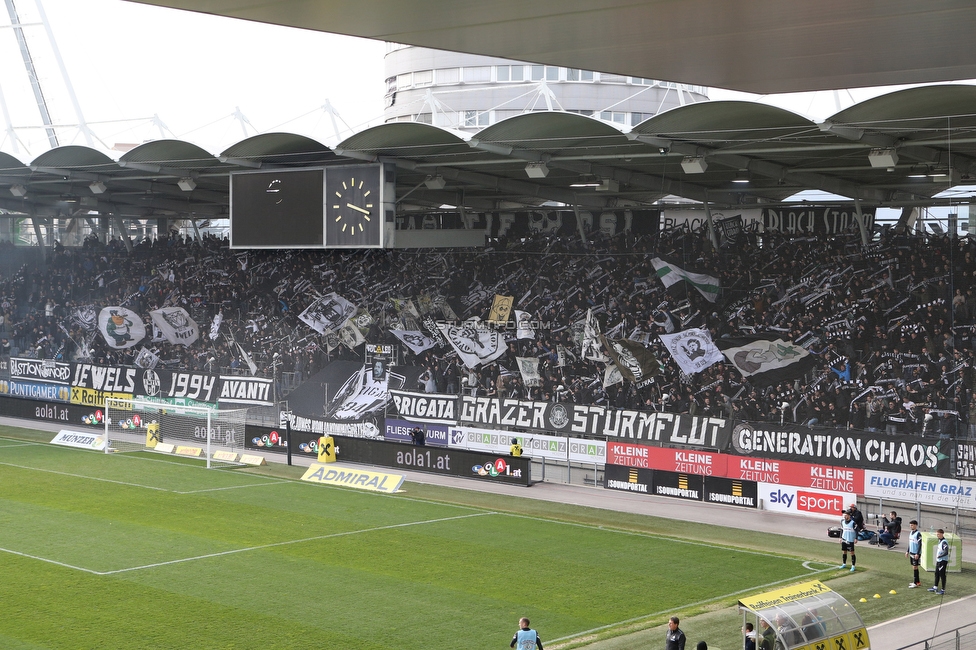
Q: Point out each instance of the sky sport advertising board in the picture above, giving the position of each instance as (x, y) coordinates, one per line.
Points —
(804, 501)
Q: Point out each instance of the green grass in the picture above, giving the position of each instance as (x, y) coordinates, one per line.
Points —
(139, 551)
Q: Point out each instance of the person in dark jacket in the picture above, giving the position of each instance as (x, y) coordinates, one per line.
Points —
(675, 638)
(890, 531)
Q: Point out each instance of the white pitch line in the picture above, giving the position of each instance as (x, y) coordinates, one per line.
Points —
(237, 487)
(264, 482)
(44, 559)
(91, 478)
(294, 541)
(19, 444)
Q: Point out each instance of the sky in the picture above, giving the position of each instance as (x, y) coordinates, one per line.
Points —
(129, 61)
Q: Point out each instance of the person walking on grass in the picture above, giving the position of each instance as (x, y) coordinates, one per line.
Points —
(848, 538)
(914, 552)
(525, 638)
(941, 562)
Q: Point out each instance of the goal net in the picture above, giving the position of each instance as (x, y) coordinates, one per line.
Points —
(192, 431)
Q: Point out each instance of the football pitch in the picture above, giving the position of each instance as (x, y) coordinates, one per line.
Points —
(144, 551)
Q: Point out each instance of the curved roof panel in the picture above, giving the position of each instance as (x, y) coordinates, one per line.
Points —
(171, 153)
(559, 128)
(282, 149)
(915, 107)
(724, 121)
(10, 165)
(407, 139)
(74, 157)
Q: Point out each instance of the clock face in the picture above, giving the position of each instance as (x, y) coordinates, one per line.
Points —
(353, 206)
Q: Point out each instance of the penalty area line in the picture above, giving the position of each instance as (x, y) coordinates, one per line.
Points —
(293, 541)
(44, 559)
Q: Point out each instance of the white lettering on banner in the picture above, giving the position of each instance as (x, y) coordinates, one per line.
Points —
(111, 379)
(421, 407)
(533, 445)
(192, 385)
(245, 390)
(38, 369)
(668, 428)
(804, 501)
(827, 446)
(692, 463)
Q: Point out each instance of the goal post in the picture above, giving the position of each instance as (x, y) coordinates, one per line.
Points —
(192, 431)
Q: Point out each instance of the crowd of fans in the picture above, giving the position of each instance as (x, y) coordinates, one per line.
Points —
(891, 323)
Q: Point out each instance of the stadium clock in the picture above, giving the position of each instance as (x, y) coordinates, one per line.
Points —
(353, 207)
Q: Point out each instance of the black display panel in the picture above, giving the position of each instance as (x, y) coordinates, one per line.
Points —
(279, 209)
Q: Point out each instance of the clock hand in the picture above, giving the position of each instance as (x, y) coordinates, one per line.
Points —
(357, 208)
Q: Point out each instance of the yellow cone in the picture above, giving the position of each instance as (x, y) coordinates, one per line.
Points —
(877, 595)
(892, 592)
(864, 600)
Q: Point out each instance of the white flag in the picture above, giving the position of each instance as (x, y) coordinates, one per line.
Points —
(247, 359)
(612, 376)
(692, 350)
(416, 341)
(328, 313)
(215, 325)
(122, 328)
(591, 339)
(529, 367)
(474, 343)
(146, 359)
(176, 325)
(523, 321)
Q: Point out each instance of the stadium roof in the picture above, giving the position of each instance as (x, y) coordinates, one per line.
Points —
(894, 150)
(759, 46)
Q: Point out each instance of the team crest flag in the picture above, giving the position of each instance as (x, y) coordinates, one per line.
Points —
(692, 349)
(670, 273)
(474, 343)
(328, 313)
(612, 375)
(175, 325)
(529, 367)
(501, 309)
(416, 341)
(767, 359)
(121, 327)
(634, 361)
(591, 339)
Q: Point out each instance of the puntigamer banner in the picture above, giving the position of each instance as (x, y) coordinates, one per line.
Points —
(579, 419)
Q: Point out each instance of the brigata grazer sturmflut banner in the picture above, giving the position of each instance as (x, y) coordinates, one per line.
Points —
(423, 407)
(581, 419)
(842, 447)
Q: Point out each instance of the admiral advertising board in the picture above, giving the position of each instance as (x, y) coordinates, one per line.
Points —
(454, 462)
(435, 435)
(912, 488)
(534, 445)
(579, 419)
(845, 447)
(804, 501)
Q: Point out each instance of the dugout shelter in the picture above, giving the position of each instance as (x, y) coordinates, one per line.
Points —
(807, 616)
